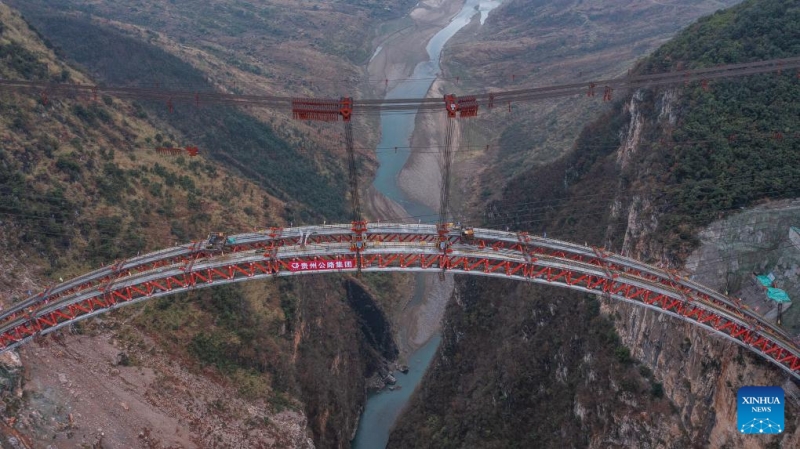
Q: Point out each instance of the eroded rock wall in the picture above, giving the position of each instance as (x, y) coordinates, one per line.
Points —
(701, 373)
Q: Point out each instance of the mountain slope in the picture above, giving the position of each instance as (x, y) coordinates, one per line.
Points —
(82, 186)
(642, 179)
(230, 135)
(80, 173)
(521, 368)
(286, 45)
(536, 43)
(694, 151)
(272, 47)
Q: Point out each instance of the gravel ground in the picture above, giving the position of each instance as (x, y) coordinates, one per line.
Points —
(80, 391)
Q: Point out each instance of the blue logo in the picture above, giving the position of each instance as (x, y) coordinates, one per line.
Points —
(760, 410)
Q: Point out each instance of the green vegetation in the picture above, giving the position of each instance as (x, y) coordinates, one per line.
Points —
(510, 370)
(232, 137)
(743, 156)
(69, 196)
(241, 341)
(16, 57)
(730, 144)
(514, 366)
(43, 216)
(754, 30)
(79, 189)
(46, 218)
(91, 114)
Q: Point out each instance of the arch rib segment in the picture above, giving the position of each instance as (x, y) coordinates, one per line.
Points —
(616, 262)
(424, 234)
(398, 247)
(105, 275)
(409, 257)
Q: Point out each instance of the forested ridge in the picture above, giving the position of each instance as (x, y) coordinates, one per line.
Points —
(704, 149)
(700, 151)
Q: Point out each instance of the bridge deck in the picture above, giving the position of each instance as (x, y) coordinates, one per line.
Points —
(395, 247)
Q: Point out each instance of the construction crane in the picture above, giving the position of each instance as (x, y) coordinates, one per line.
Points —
(330, 111)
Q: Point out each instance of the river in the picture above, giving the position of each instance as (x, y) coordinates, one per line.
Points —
(382, 409)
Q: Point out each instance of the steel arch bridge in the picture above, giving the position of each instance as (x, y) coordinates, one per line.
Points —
(381, 247)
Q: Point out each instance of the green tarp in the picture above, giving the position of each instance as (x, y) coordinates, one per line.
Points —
(777, 295)
(765, 280)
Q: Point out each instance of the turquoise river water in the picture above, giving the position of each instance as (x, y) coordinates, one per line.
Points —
(382, 409)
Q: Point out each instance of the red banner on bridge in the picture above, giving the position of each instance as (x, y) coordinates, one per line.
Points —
(312, 265)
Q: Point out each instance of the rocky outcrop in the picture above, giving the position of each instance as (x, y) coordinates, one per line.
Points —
(532, 367)
(337, 344)
(10, 382)
(635, 215)
(700, 373)
(753, 240)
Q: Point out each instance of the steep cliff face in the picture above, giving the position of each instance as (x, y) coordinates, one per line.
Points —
(687, 156)
(633, 213)
(522, 366)
(336, 345)
(269, 364)
(755, 240)
(534, 43)
(701, 374)
(645, 179)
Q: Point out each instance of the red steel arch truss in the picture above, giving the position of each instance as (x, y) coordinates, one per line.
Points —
(395, 247)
